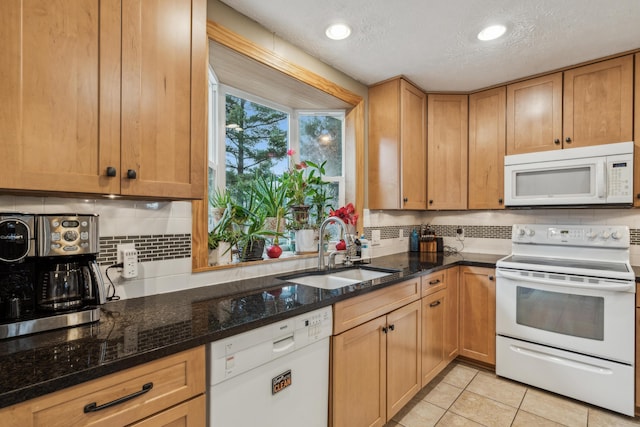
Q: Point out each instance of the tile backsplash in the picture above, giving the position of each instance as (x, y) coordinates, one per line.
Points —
(161, 231)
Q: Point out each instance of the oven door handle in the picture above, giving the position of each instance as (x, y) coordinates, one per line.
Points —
(610, 287)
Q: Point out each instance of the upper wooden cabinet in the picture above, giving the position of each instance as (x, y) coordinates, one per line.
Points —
(164, 97)
(93, 89)
(447, 138)
(397, 146)
(487, 148)
(534, 115)
(636, 136)
(598, 103)
(583, 106)
(60, 91)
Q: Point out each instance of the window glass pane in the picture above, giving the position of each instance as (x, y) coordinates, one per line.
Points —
(256, 142)
(320, 140)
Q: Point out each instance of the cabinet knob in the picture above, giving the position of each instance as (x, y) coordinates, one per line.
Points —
(556, 141)
(131, 174)
(392, 327)
(638, 196)
(111, 171)
(500, 201)
(430, 202)
(491, 278)
(435, 304)
(568, 140)
(406, 199)
(384, 329)
(434, 282)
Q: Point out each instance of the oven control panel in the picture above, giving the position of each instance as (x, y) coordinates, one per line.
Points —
(614, 236)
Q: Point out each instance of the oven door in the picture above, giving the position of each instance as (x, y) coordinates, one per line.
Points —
(590, 319)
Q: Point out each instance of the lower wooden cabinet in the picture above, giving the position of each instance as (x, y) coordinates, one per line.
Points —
(439, 322)
(376, 365)
(170, 391)
(478, 314)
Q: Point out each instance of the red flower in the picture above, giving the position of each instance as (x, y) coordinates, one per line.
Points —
(346, 213)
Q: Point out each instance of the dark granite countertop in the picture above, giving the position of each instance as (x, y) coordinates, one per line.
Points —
(139, 330)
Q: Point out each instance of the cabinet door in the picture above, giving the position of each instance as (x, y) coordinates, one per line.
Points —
(636, 137)
(534, 115)
(413, 137)
(434, 317)
(60, 91)
(447, 126)
(451, 315)
(598, 103)
(403, 356)
(478, 314)
(163, 98)
(384, 146)
(487, 148)
(359, 375)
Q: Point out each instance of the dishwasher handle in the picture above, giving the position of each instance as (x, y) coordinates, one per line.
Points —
(621, 287)
(284, 344)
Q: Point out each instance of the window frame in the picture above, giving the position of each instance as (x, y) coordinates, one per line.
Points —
(354, 129)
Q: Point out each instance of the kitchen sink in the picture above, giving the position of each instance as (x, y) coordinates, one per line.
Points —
(334, 279)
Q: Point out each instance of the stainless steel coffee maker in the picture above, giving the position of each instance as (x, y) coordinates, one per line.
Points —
(58, 282)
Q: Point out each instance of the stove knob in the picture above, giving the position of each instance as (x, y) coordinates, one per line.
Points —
(530, 232)
(591, 235)
(520, 231)
(605, 235)
(616, 235)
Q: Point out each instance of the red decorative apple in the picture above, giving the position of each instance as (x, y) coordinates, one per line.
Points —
(341, 245)
(274, 251)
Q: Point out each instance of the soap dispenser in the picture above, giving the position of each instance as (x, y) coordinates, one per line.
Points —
(413, 241)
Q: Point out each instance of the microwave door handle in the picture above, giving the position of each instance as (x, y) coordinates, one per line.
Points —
(601, 179)
(545, 281)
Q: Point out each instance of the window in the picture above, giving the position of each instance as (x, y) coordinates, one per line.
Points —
(251, 136)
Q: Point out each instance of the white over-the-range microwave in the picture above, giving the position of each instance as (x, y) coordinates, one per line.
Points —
(586, 176)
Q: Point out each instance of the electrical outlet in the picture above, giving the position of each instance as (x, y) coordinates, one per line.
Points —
(128, 256)
(460, 233)
(401, 235)
(375, 237)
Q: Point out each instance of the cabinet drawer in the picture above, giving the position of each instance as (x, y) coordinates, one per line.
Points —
(355, 311)
(175, 379)
(188, 414)
(433, 282)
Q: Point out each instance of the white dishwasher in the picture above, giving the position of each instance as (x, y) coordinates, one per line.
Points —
(275, 375)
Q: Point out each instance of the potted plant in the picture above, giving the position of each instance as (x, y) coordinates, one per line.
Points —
(222, 237)
(271, 199)
(219, 201)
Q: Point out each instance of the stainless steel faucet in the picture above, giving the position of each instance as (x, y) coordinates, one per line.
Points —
(347, 240)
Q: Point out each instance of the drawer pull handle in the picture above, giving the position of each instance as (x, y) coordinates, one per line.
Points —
(434, 282)
(93, 407)
(435, 304)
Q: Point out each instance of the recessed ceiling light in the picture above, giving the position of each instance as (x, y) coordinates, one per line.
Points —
(338, 31)
(492, 32)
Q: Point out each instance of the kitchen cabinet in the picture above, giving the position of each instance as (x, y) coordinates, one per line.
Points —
(447, 147)
(637, 352)
(439, 322)
(397, 146)
(636, 136)
(167, 389)
(594, 107)
(103, 97)
(534, 115)
(375, 364)
(487, 139)
(478, 314)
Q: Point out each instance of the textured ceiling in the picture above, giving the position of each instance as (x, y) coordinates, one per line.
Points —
(434, 43)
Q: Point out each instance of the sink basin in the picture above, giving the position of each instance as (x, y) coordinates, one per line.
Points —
(337, 279)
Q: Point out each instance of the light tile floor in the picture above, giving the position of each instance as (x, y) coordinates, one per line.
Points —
(464, 395)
